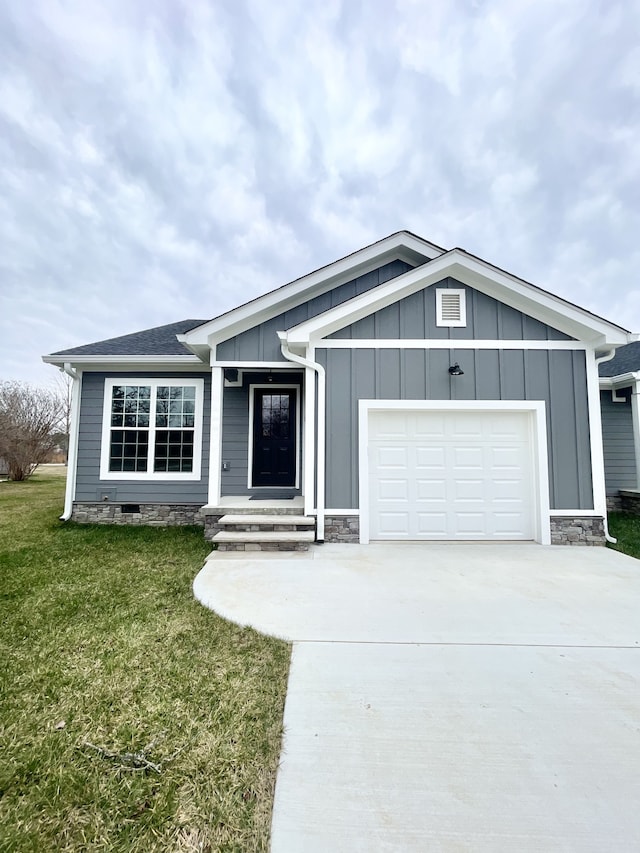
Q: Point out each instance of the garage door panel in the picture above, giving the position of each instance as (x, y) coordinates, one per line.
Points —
(469, 490)
(468, 457)
(392, 457)
(432, 524)
(393, 490)
(394, 524)
(456, 475)
(431, 429)
(431, 489)
(430, 457)
(471, 524)
(507, 523)
(505, 489)
(508, 457)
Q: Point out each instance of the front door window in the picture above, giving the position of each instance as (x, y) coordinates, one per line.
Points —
(274, 437)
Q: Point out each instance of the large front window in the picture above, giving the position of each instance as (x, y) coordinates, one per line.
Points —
(152, 429)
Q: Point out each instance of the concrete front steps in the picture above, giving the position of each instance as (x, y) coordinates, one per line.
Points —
(262, 532)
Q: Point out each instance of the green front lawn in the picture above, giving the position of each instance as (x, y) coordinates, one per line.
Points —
(626, 529)
(102, 642)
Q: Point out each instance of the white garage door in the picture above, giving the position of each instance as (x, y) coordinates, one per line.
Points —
(450, 475)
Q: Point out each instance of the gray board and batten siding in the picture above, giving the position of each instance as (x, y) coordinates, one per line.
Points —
(261, 343)
(235, 430)
(556, 376)
(88, 483)
(414, 317)
(619, 448)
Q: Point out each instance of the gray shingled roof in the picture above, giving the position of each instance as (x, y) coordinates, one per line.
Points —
(626, 359)
(158, 341)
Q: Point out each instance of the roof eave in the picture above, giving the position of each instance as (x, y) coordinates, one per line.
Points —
(553, 310)
(402, 244)
(125, 362)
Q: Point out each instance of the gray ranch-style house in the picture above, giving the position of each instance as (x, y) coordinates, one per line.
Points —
(404, 392)
(619, 390)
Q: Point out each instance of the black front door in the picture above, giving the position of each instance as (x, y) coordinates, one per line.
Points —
(274, 437)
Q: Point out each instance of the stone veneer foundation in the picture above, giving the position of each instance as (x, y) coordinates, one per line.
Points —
(580, 530)
(585, 530)
(152, 515)
(629, 501)
(614, 503)
(342, 528)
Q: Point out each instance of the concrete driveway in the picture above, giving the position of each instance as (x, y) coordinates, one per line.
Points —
(450, 697)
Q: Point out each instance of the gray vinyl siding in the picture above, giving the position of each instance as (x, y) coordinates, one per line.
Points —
(415, 317)
(261, 342)
(235, 431)
(558, 377)
(88, 482)
(617, 437)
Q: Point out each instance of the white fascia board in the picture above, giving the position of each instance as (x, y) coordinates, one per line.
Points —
(619, 380)
(128, 362)
(457, 264)
(401, 245)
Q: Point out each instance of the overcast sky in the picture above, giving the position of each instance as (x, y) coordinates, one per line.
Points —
(162, 160)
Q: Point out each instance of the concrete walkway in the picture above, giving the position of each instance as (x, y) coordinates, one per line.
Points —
(450, 697)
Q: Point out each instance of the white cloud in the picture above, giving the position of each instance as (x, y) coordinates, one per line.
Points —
(160, 161)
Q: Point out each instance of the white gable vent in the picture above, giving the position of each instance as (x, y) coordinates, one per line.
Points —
(451, 308)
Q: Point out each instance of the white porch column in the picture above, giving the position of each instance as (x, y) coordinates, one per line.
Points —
(215, 436)
(595, 430)
(309, 428)
(635, 418)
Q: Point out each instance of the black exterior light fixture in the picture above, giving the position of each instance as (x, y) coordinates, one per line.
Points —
(456, 370)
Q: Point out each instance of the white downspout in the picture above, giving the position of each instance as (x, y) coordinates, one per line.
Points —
(320, 445)
(72, 453)
(635, 420)
(606, 357)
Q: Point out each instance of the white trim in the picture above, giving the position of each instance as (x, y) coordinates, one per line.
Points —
(274, 387)
(595, 435)
(258, 366)
(461, 293)
(443, 343)
(622, 380)
(308, 431)
(473, 272)
(616, 398)
(313, 284)
(318, 431)
(329, 511)
(147, 360)
(635, 420)
(72, 452)
(536, 408)
(215, 437)
(151, 476)
(574, 513)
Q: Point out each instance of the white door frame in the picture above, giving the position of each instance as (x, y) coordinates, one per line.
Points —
(275, 387)
(538, 435)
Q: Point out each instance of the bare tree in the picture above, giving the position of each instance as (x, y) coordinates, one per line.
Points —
(63, 389)
(29, 417)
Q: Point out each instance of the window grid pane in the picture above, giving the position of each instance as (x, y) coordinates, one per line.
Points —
(130, 406)
(174, 451)
(128, 450)
(175, 406)
(275, 416)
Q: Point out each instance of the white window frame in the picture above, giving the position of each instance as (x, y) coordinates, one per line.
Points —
(451, 291)
(274, 387)
(155, 476)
